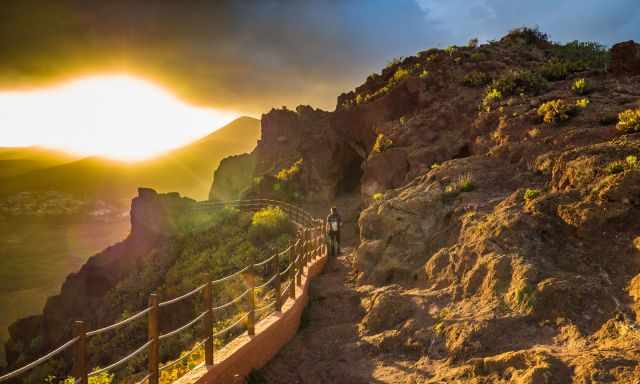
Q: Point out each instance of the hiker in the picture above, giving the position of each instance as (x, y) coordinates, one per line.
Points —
(334, 225)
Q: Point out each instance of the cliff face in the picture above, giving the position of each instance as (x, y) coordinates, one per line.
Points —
(499, 240)
(153, 220)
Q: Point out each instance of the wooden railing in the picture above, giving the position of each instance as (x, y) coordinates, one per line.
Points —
(307, 246)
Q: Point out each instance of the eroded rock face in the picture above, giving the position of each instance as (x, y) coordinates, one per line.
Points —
(625, 58)
(233, 177)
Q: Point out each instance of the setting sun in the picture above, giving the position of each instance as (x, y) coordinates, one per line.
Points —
(117, 116)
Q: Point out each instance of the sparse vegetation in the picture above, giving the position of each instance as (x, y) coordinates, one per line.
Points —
(525, 297)
(531, 194)
(269, 223)
(424, 74)
(632, 161)
(382, 143)
(476, 79)
(556, 111)
(400, 74)
(615, 167)
(554, 70)
(582, 55)
(582, 103)
(289, 173)
(377, 197)
(473, 43)
(580, 87)
(526, 36)
(629, 121)
(513, 82)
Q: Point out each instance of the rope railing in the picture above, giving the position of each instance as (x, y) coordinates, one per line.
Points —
(299, 255)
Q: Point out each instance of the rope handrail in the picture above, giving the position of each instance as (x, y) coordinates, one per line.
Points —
(263, 262)
(301, 217)
(120, 323)
(267, 282)
(181, 358)
(231, 276)
(39, 361)
(187, 325)
(121, 361)
(180, 298)
(230, 327)
(235, 300)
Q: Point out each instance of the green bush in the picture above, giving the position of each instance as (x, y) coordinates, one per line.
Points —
(382, 143)
(556, 111)
(632, 161)
(476, 79)
(269, 223)
(400, 74)
(629, 121)
(615, 167)
(582, 55)
(519, 81)
(531, 194)
(554, 70)
(526, 35)
(377, 197)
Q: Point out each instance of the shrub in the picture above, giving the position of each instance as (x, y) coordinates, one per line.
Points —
(554, 70)
(478, 56)
(424, 74)
(629, 120)
(382, 143)
(526, 35)
(580, 87)
(582, 103)
(473, 43)
(632, 161)
(490, 96)
(289, 173)
(269, 223)
(465, 183)
(400, 74)
(519, 81)
(476, 79)
(450, 50)
(615, 167)
(582, 55)
(377, 197)
(556, 111)
(531, 194)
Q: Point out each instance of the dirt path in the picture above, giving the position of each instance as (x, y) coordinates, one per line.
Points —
(326, 349)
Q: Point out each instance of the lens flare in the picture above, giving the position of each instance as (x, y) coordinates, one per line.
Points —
(116, 116)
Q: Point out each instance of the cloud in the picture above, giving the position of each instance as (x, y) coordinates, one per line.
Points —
(248, 56)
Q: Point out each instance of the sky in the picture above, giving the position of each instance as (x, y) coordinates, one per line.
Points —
(246, 57)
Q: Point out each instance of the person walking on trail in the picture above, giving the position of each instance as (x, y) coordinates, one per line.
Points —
(334, 225)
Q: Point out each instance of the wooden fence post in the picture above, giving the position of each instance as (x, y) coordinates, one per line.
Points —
(300, 257)
(251, 318)
(80, 370)
(208, 323)
(277, 283)
(154, 334)
(292, 271)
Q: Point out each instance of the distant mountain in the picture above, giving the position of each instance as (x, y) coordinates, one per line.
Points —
(188, 170)
(16, 161)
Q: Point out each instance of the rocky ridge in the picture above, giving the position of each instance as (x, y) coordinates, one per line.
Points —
(498, 240)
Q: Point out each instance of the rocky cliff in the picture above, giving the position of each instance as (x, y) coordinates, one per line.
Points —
(83, 295)
(499, 240)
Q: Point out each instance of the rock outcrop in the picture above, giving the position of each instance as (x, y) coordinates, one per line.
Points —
(625, 58)
(154, 218)
(494, 247)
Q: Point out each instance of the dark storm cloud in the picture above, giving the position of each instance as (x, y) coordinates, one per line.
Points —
(251, 55)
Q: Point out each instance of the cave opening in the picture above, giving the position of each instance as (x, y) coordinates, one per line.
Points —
(350, 180)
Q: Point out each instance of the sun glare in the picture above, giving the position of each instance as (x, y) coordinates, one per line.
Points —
(116, 116)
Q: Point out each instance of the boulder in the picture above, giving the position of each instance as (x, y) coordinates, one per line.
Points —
(625, 58)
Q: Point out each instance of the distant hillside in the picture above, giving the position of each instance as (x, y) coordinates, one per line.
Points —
(188, 170)
(17, 161)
